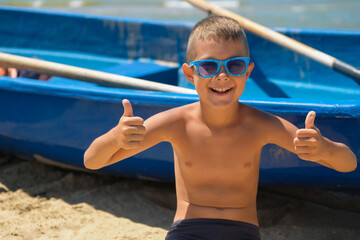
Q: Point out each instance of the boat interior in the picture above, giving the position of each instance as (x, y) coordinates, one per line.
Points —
(155, 51)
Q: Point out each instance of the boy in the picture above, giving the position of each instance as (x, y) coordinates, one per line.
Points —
(217, 141)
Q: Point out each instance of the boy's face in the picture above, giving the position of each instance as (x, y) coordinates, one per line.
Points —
(223, 89)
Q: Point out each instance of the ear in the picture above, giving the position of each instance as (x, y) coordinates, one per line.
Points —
(188, 72)
(249, 69)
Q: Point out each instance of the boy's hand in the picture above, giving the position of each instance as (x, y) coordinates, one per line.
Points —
(130, 131)
(309, 144)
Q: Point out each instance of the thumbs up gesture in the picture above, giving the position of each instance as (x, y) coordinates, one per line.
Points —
(309, 144)
(130, 131)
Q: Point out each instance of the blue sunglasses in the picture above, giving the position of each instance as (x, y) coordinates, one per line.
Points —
(209, 67)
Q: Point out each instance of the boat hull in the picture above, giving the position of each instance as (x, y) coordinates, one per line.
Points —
(56, 121)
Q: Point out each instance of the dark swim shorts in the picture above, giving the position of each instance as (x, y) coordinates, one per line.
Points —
(212, 229)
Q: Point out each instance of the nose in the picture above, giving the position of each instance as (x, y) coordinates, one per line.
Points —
(222, 74)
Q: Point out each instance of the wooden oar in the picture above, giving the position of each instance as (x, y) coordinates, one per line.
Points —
(282, 40)
(86, 75)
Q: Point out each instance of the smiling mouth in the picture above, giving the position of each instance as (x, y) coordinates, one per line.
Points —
(220, 90)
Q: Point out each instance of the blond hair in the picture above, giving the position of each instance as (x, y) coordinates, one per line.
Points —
(216, 28)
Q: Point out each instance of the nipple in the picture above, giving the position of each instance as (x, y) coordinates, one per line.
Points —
(247, 165)
(188, 164)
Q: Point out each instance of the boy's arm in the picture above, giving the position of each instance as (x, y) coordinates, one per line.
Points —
(310, 145)
(131, 136)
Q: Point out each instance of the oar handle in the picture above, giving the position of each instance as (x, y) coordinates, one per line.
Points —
(281, 40)
(86, 75)
(347, 69)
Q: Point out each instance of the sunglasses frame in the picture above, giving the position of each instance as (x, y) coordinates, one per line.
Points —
(219, 64)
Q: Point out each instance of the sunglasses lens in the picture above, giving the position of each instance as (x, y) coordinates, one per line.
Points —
(207, 68)
(236, 66)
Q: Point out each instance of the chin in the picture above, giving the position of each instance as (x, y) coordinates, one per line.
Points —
(224, 104)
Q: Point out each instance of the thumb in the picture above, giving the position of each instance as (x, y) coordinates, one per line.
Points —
(128, 111)
(310, 119)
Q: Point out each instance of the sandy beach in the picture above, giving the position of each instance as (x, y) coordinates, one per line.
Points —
(38, 201)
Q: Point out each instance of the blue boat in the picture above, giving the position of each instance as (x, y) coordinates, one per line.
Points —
(55, 121)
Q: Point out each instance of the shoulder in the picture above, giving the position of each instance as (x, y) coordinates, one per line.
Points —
(271, 127)
(264, 118)
(257, 116)
(174, 115)
(170, 121)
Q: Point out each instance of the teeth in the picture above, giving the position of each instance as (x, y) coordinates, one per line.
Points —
(220, 89)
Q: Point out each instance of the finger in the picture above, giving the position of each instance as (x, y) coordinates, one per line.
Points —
(133, 121)
(306, 133)
(134, 130)
(299, 142)
(310, 120)
(304, 149)
(128, 111)
(135, 137)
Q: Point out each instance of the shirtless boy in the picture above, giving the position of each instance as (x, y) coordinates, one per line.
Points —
(217, 141)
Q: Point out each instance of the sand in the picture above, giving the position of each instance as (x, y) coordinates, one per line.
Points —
(38, 201)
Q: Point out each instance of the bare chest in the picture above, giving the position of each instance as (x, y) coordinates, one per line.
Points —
(221, 154)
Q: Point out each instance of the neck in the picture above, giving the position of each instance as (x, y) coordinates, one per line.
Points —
(219, 116)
